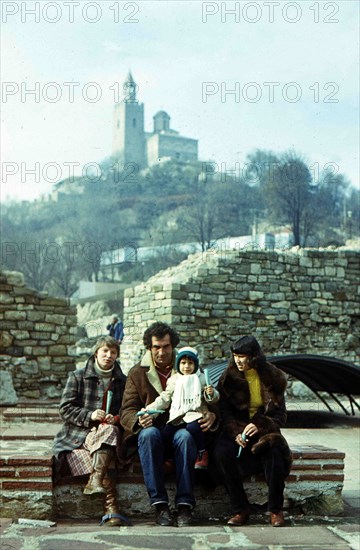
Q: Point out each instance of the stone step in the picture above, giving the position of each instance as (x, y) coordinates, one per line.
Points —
(315, 482)
(26, 471)
(313, 486)
(25, 447)
(28, 431)
(30, 412)
(9, 436)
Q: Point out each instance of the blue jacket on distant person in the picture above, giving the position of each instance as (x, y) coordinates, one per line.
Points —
(116, 329)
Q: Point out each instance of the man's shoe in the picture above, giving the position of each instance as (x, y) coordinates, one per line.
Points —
(163, 515)
(202, 461)
(184, 515)
(277, 520)
(239, 519)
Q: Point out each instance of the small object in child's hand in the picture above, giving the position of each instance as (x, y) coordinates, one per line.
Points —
(209, 395)
(207, 377)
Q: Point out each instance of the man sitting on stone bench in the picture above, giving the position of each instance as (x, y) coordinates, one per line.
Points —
(145, 382)
(90, 437)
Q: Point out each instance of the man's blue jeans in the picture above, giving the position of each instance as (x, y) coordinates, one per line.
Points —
(151, 452)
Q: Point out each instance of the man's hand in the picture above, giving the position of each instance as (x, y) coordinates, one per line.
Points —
(207, 421)
(145, 420)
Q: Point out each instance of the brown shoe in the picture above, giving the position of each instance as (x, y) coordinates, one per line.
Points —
(277, 520)
(240, 518)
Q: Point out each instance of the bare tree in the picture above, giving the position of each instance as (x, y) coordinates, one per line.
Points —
(290, 196)
(200, 216)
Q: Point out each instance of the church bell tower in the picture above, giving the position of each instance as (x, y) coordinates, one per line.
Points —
(128, 133)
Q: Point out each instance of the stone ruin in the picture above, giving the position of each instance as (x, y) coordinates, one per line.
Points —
(38, 332)
(298, 301)
(302, 301)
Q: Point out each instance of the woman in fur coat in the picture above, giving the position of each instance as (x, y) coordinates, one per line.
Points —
(252, 407)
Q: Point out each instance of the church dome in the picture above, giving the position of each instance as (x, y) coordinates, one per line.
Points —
(161, 121)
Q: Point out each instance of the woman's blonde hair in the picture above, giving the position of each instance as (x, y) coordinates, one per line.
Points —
(108, 341)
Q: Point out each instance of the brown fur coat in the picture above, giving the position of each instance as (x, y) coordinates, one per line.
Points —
(235, 403)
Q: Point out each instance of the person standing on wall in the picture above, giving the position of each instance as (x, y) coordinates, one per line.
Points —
(116, 329)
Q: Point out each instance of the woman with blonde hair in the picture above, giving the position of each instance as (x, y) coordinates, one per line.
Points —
(91, 434)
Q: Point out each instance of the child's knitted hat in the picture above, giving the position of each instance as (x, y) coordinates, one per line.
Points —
(187, 352)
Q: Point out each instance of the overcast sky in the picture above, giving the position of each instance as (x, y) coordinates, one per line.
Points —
(293, 68)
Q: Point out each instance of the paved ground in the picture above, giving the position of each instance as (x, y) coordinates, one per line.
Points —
(87, 536)
(301, 532)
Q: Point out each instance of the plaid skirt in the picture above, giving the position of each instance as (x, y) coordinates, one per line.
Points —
(80, 460)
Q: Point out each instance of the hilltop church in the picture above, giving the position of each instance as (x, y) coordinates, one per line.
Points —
(133, 144)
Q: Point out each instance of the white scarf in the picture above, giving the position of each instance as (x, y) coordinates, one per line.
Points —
(187, 395)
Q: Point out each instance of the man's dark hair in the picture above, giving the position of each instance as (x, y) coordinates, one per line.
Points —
(159, 330)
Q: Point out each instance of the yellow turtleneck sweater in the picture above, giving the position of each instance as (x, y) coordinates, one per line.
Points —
(253, 380)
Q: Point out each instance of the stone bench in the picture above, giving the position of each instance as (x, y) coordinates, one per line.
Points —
(314, 485)
(26, 487)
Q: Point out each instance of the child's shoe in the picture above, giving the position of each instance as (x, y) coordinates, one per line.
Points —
(202, 460)
(169, 466)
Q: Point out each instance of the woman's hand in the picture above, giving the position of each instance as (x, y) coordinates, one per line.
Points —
(243, 438)
(98, 415)
(207, 421)
(250, 430)
(110, 419)
(241, 441)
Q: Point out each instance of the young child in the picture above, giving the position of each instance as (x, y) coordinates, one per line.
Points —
(186, 394)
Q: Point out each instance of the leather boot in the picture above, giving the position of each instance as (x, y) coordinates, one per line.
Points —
(111, 503)
(101, 461)
(112, 516)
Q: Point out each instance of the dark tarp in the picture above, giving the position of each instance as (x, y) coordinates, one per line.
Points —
(319, 373)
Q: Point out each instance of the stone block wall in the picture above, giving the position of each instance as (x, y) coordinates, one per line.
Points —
(297, 301)
(37, 333)
(313, 486)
